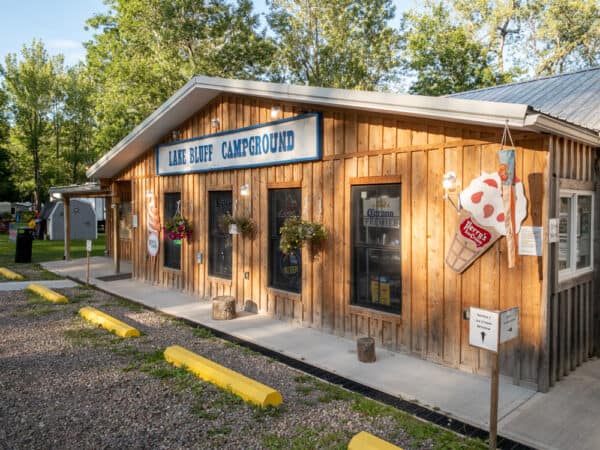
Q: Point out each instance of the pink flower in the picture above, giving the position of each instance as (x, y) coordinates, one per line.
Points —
(180, 228)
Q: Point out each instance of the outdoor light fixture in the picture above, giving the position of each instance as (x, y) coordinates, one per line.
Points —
(175, 134)
(275, 112)
(449, 185)
(56, 195)
(149, 194)
(215, 123)
(245, 190)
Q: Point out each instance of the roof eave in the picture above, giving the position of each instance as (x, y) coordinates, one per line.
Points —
(546, 124)
(180, 107)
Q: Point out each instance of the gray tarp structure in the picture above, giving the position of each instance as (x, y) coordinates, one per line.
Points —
(572, 97)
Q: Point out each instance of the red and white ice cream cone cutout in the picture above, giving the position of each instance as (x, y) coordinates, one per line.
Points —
(482, 219)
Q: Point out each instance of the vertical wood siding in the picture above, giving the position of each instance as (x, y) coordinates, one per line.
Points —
(572, 312)
(359, 144)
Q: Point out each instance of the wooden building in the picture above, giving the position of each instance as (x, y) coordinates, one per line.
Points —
(381, 274)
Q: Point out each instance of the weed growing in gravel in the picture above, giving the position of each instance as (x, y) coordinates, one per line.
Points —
(79, 297)
(203, 333)
(219, 431)
(118, 301)
(307, 438)
(329, 392)
(270, 412)
(92, 337)
(200, 410)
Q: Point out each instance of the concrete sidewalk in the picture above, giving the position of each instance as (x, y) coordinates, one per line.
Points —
(567, 417)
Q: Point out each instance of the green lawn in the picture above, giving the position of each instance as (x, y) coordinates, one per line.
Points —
(44, 251)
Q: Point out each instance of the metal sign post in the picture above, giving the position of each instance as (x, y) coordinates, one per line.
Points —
(487, 330)
(88, 250)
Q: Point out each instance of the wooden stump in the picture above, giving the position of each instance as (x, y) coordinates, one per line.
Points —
(366, 349)
(223, 307)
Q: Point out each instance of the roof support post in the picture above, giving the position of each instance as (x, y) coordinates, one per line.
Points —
(67, 222)
(115, 235)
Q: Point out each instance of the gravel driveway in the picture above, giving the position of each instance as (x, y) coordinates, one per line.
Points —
(66, 384)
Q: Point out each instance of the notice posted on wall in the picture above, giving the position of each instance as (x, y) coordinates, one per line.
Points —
(530, 241)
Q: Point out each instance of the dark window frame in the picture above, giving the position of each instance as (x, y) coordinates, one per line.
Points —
(278, 271)
(217, 234)
(172, 251)
(378, 244)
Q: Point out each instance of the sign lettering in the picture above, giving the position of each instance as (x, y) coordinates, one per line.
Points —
(283, 141)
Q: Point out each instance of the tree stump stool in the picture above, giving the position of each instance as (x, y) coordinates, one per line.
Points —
(223, 307)
(365, 347)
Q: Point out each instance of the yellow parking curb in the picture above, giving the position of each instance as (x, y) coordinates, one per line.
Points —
(242, 386)
(110, 323)
(367, 441)
(9, 274)
(47, 293)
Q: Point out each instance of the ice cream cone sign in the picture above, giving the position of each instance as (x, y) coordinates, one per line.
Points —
(153, 221)
(483, 218)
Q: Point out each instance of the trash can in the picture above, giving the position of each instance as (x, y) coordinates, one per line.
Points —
(24, 243)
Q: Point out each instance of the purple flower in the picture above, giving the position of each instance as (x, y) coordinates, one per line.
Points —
(180, 228)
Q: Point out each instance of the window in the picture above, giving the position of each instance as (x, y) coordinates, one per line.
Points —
(219, 243)
(172, 249)
(576, 222)
(376, 277)
(125, 220)
(285, 271)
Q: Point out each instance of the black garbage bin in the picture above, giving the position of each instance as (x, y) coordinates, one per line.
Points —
(24, 244)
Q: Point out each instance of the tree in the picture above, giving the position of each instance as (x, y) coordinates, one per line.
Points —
(338, 43)
(30, 83)
(442, 56)
(78, 124)
(144, 50)
(8, 191)
(564, 35)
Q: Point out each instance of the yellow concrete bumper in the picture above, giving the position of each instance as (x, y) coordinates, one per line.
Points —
(366, 441)
(244, 387)
(9, 274)
(47, 293)
(110, 323)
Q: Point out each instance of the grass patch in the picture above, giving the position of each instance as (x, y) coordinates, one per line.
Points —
(327, 392)
(219, 431)
(90, 337)
(124, 303)
(304, 438)
(203, 333)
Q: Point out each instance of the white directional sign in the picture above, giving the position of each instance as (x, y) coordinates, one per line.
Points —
(509, 325)
(483, 329)
(88, 245)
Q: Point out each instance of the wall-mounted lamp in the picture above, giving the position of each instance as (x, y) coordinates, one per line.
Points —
(149, 194)
(449, 185)
(175, 134)
(275, 112)
(245, 190)
(56, 195)
(215, 123)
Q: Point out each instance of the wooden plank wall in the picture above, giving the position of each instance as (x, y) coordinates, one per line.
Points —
(359, 144)
(573, 306)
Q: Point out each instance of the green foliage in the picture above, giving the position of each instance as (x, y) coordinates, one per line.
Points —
(144, 50)
(444, 57)
(31, 83)
(246, 225)
(295, 232)
(566, 35)
(338, 43)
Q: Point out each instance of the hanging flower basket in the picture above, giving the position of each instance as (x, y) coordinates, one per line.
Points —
(295, 232)
(178, 228)
(243, 225)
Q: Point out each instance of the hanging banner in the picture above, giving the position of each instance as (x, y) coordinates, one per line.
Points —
(283, 141)
(507, 177)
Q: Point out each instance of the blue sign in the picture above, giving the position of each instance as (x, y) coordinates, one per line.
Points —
(295, 139)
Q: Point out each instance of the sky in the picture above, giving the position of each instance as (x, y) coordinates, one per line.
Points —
(60, 24)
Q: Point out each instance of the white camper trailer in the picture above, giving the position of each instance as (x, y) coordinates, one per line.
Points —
(83, 221)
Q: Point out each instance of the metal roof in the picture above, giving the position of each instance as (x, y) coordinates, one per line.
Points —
(571, 97)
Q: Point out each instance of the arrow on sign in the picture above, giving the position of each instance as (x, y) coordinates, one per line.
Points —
(482, 336)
